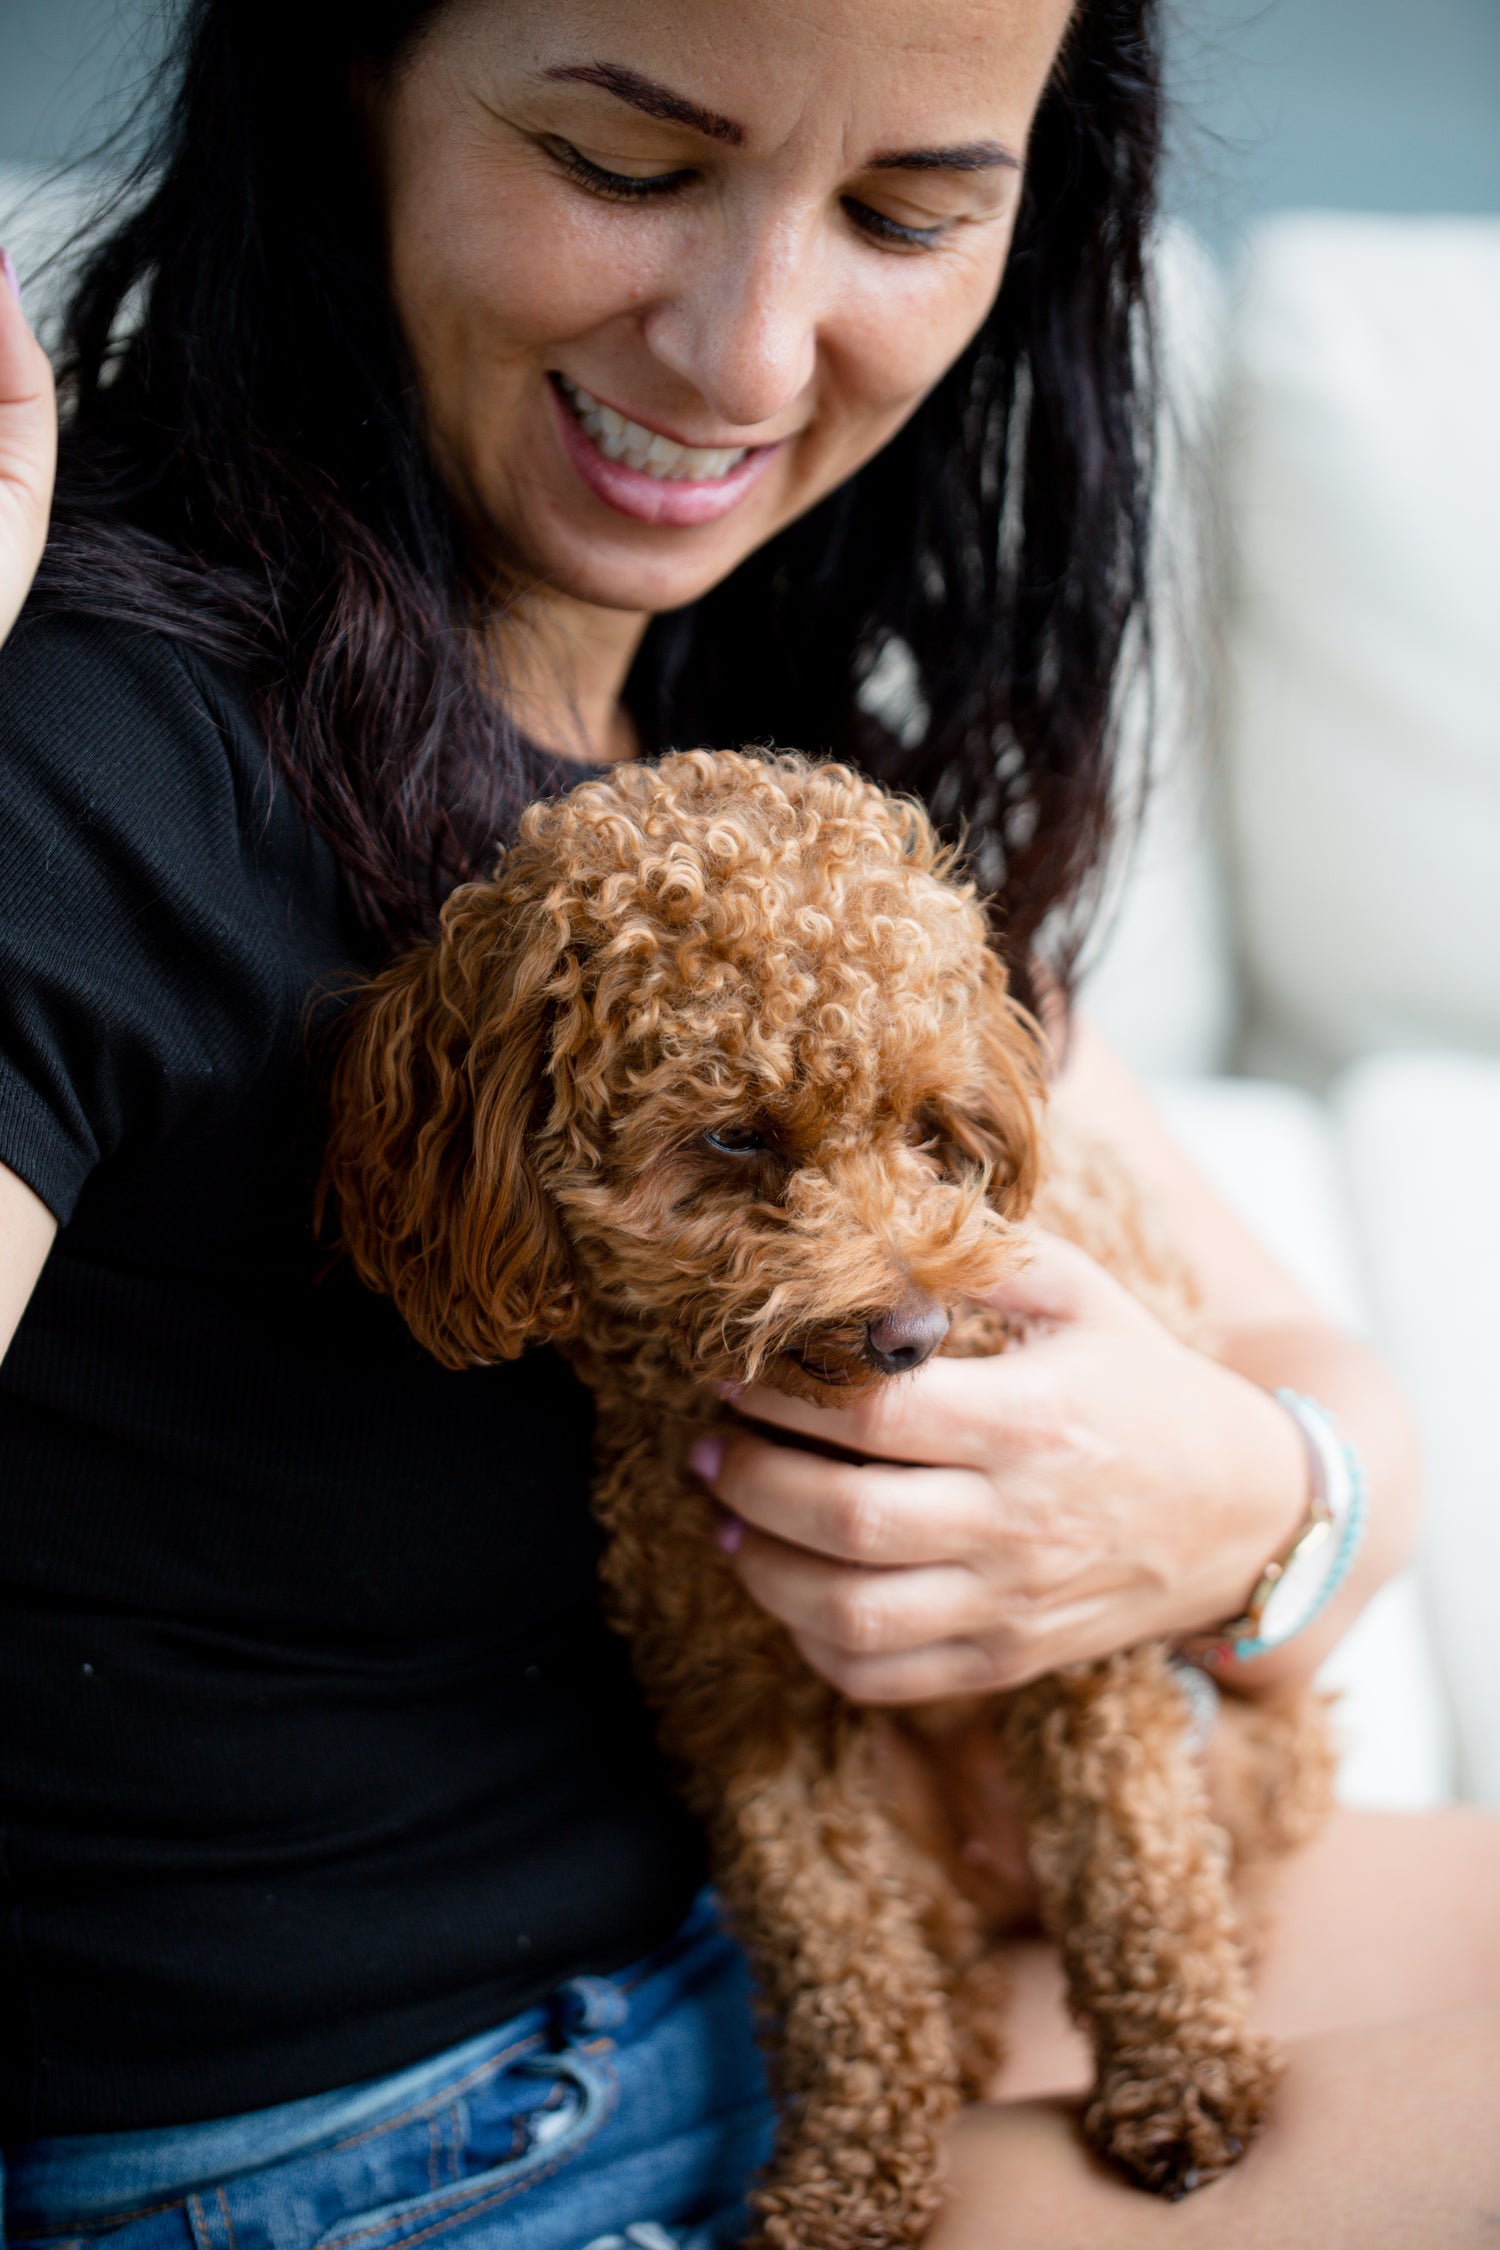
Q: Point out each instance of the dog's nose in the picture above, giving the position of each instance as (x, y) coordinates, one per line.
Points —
(899, 1341)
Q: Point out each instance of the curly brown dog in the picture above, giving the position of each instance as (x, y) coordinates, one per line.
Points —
(718, 1080)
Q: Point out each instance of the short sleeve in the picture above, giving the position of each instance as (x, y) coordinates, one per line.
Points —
(121, 863)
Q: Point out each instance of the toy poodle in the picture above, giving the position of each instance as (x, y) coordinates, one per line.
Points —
(718, 1081)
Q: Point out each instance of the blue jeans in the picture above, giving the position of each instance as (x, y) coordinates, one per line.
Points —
(625, 2114)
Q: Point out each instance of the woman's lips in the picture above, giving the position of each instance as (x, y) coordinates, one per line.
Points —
(666, 501)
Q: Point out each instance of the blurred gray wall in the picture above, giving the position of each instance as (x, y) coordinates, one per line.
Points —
(1363, 105)
(68, 68)
(1354, 104)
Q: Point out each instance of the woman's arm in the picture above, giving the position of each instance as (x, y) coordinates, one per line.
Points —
(1097, 1486)
(1266, 1329)
(28, 455)
(28, 449)
(27, 1231)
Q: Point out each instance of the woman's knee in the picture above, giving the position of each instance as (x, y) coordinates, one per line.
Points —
(1381, 2139)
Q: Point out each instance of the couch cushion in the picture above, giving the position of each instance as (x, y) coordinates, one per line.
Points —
(1162, 982)
(1274, 1155)
(1422, 1133)
(1363, 474)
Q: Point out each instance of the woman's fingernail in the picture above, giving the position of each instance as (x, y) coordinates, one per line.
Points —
(730, 1535)
(707, 1457)
(8, 268)
(730, 1390)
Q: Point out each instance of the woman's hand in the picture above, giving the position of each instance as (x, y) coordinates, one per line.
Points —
(1097, 1485)
(28, 449)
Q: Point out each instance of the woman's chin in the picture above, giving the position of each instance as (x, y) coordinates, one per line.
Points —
(632, 566)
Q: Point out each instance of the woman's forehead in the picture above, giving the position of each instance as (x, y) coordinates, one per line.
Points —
(882, 79)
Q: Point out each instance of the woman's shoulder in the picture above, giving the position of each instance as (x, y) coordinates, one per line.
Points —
(157, 897)
(128, 716)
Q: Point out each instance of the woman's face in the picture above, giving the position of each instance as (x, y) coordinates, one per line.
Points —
(671, 272)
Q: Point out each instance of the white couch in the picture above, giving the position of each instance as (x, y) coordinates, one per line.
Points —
(1315, 900)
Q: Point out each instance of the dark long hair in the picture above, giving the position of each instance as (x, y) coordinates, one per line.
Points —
(244, 469)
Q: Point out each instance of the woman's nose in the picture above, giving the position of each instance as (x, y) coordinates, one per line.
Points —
(740, 325)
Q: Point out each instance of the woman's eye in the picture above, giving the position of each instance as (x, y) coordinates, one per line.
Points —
(618, 187)
(880, 228)
(737, 1140)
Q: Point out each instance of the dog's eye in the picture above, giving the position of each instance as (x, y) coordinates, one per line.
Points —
(737, 1140)
(932, 1135)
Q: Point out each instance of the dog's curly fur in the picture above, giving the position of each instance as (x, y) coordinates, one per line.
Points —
(779, 954)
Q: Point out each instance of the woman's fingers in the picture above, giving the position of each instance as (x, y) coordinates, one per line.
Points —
(852, 1511)
(860, 1612)
(924, 1675)
(945, 1414)
(982, 1414)
(991, 1657)
(1055, 1283)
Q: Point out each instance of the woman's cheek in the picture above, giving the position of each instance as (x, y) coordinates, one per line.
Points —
(514, 277)
(485, 305)
(896, 337)
(906, 317)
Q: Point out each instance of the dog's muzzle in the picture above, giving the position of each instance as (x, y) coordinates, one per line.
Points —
(901, 1340)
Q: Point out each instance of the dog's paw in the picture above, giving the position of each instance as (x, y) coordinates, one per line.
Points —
(793, 2228)
(1173, 2122)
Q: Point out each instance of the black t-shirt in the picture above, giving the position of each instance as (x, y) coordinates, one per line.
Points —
(315, 1755)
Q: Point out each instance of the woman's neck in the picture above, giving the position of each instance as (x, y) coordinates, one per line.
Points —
(564, 664)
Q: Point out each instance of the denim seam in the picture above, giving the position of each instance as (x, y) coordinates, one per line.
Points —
(198, 2221)
(86, 2230)
(106, 2222)
(440, 2094)
(488, 2201)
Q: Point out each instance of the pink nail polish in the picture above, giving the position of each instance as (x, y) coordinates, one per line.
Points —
(707, 1457)
(730, 1535)
(8, 268)
(730, 1391)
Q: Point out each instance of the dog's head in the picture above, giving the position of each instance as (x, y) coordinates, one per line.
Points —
(722, 1048)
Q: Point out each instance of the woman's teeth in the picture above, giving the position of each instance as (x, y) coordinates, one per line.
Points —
(621, 440)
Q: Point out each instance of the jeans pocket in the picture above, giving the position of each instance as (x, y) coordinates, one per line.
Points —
(556, 2132)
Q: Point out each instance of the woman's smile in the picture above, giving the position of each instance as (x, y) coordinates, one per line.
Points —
(641, 472)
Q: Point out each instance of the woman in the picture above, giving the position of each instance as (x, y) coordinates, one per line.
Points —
(515, 387)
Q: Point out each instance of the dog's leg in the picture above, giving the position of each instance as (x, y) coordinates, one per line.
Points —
(1271, 1773)
(1135, 1885)
(815, 1880)
(978, 1997)
(817, 1885)
(945, 1780)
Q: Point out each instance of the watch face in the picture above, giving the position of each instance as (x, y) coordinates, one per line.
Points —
(1292, 1598)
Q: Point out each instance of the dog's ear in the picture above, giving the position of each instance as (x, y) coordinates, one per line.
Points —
(998, 1119)
(437, 1091)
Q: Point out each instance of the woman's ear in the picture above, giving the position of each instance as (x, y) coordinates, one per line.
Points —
(1000, 1118)
(439, 1083)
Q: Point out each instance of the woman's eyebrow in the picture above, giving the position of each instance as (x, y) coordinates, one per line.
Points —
(964, 156)
(657, 100)
(649, 95)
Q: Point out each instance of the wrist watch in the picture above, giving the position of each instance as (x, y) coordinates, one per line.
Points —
(1296, 1584)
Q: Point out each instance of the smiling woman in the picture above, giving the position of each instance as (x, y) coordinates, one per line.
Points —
(472, 392)
(603, 281)
(653, 328)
